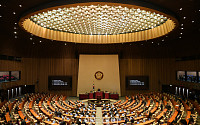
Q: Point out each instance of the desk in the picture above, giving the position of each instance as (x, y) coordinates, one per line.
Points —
(7, 117)
(83, 96)
(99, 93)
(114, 96)
(161, 115)
(22, 117)
(50, 106)
(91, 95)
(35, 115)
(172, 117)
(50, 123)
(60, 119)
(107, 95)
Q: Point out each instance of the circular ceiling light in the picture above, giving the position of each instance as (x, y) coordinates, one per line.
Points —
(98, 23)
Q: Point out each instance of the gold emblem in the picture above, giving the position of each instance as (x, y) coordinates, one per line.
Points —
(98, 75)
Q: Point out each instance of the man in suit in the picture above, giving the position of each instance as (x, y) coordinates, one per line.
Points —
(63, 123)
(23, 122)
(132, 120)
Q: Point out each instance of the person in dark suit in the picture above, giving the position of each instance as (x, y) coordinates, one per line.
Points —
(78, 122)
(23, 122)
(63, 123)
(183, 122)
(132, 120)
(126, 120)
(7, 109)
(56, 113)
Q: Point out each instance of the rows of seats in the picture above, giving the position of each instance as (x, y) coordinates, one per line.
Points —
(142, 109)
(149, 109)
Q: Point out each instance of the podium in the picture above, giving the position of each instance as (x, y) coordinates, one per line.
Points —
(107, 95)
(83, 96)
(114, 96)
(99, 93)
(91, 95)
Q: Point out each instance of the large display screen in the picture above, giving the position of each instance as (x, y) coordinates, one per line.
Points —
(191, 76)
(15, 75)
(60, 82)
(4, 76)
(199, 77)
(7, 76)
(181, 75)
(137, 82)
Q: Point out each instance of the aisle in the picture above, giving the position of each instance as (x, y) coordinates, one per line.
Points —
(99, 118)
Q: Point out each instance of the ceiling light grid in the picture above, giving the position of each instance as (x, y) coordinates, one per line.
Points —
(98, 20)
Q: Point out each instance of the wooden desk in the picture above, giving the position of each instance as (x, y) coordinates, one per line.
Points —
(114, 96)
(68, 105)
(147, 122)
(155, 108)
(172, 117)
(35, 115)
(117, 102)
(83, 96)
(188, 116)
(50, 123)
(46, 113)
(139, 104)
(160, 115)
(60, 119)
(130, 104)
(7, 117)
(51, 107)
(22, 117)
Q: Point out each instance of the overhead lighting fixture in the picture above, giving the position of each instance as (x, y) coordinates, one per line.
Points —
(180, 37)
(20, 5)
(0, 16)
(192, 21)
(15, 32)
(40, 41)
(31, 38)
(96, 18)
(184, 17)
(182, 24)
(181, 33)
(15, 37)
(180, 8)
(15, 23)
(65, 44)
(14, 13)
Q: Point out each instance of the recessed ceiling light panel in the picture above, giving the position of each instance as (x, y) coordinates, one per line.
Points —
(97, 22)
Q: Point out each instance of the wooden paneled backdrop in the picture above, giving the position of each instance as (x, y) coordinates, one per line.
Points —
(160, 71)
(40, 68)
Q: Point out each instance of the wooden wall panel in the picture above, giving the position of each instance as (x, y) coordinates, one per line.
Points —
(40, 68)
(159, 71)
